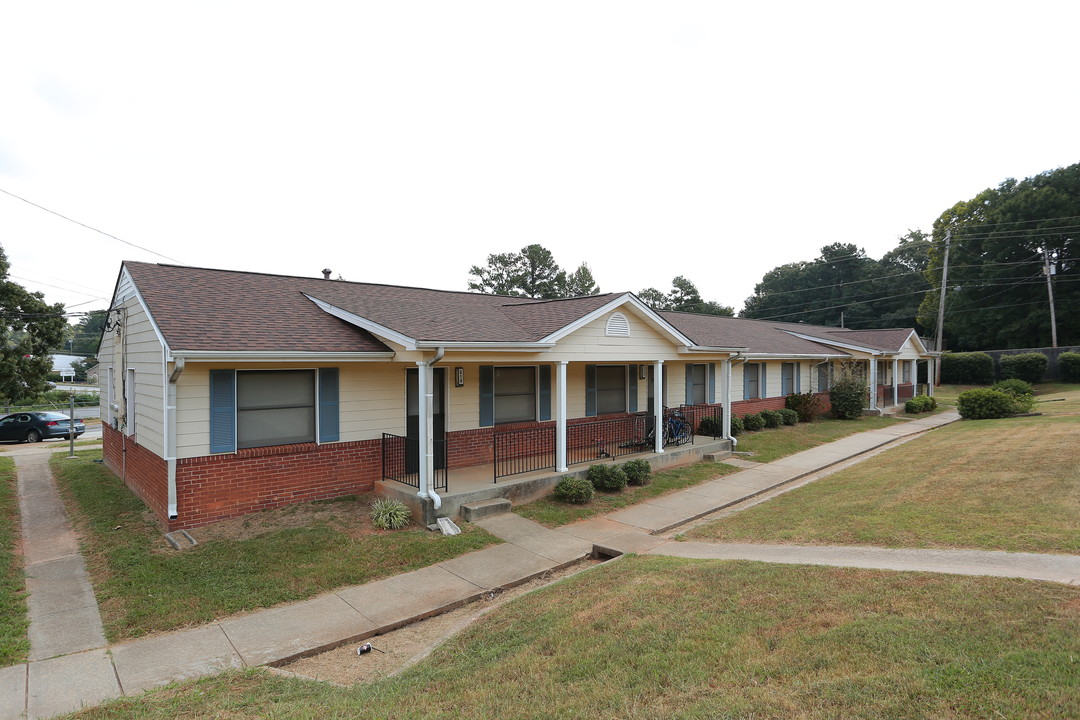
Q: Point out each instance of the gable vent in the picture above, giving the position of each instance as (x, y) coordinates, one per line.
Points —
(618, 326)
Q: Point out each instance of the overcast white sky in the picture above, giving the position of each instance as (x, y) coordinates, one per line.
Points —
(402, 142)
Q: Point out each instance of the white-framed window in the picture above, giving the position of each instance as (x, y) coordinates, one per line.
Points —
(610, 389)
(752, 381)
(906, 364)
(787, 378)
(823, 377)
(110, 397)
(129, 404)
(274, 407)
(698, 387)
(515, 394)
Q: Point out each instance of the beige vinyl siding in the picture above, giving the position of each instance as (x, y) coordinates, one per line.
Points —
(591, 344)
(145, 354)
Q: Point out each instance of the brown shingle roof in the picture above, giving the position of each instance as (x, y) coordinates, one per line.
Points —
(758, 336)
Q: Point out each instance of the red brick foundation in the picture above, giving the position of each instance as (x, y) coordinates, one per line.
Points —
(142, 471)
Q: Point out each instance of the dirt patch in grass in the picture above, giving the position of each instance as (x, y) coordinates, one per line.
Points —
(351, 515)
(404, 647)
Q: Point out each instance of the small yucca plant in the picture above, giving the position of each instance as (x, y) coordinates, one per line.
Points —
(389, 514)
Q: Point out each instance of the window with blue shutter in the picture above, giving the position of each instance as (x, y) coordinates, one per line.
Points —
(222, 411)
(487, 396)
(634, 370)
(545, 392)
(590, 391)
(329, 423)
(712, 382)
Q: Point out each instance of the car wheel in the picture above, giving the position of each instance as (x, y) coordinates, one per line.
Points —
(33, 436)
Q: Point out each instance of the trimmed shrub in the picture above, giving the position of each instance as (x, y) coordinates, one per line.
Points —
(638, 472)
(608, 478)
(389, 514)
(983, 403)
(920, 404)
(1069, 365)
(737, 427)
(805, 404)
(849, 393)
(1029, 367)
(753, 422)
(790, 417)
(1014, 387)
(711, 426)
(573, 489)
(772, 418)
(970, 368)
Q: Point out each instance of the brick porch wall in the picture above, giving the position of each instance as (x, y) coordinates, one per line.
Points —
(217, 487)
(746, 407)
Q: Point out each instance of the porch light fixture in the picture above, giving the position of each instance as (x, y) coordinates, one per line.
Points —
(643, 371)
(459, 377)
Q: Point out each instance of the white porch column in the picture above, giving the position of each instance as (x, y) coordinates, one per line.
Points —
(931, 369)
(725, 397)
(658, 406)
(426, 450)
(895, 381)
(560, 416)
(873, 383)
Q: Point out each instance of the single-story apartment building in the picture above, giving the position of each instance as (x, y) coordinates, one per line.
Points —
(226, 392)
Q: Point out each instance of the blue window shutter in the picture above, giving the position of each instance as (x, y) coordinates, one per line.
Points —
(487, 395)
(631, 386)
(329, 422)
(545, 392)
(798, 377)
(712, 383)
(222, 411)
(590, 391)
(746, 381)
(785, 383)
(763, 389)
(689, 399)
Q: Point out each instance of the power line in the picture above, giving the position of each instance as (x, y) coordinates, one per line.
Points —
(88, 227)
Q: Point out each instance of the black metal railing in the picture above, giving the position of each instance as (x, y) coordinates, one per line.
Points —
(522, 451)
(401, 461)
(705, 420)
(601, 439)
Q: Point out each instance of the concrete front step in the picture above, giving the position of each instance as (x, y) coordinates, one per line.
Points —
(473, 511)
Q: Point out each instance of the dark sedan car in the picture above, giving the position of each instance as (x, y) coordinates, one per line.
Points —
(35, 426)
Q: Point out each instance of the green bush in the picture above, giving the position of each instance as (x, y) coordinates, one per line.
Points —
(920, 404)
(772, 418)
(1069, 365)
(573, 489)
(970, 368)
(982, 403)
(1029, 367)
(389, 514)
(608, 478)
(737, 427)
(711, 426)
(790, 416)
(753, 422)
(638, 472)
(1014, 386)
(849, 393)
(805, 404)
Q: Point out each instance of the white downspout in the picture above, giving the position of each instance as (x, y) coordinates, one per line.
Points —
(425, 391)
(560, 416)
(658, 407)
(895, 382)
(731, 363)
(170, 434)
(873, 382)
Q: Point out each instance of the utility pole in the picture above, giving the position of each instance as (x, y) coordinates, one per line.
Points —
(1050, 270)
(941, 309)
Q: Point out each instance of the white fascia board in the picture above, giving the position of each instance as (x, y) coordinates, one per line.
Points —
(278, 356)
(709, 349)
(795, 356)
(846, 346)
(624, 299)
(146, 308)
(499, 346)
(372, 327)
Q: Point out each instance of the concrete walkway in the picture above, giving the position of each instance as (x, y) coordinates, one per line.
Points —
(46, 687)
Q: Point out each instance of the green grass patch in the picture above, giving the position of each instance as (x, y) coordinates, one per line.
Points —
(553, 513)
(14, 644)
(657, 638)
(769, 445)
(1008, 484)
(142, 586)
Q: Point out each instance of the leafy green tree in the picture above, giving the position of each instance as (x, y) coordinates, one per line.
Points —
(684, 297)
(87, 333)
(29, 329)
(533, 273)
(997, 296)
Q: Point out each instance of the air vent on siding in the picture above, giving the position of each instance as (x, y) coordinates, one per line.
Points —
(618, 325)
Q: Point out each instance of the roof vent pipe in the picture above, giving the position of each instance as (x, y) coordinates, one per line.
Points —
(326, 273)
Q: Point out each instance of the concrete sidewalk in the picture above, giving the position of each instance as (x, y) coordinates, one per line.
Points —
(46, 687)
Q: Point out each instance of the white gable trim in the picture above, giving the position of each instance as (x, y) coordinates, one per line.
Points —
(834, 343)
(372, 327)
(279, 356)
(914, 339)
(127, 289)
(625, 299)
